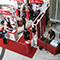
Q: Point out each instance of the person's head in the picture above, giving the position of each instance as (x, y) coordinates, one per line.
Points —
(2, 22)
(8, 23)
(25, 30)
(23, 17)
(3, 28)
(51, 30)
(33, 14)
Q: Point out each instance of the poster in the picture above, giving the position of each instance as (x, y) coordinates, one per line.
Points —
(37, 1)
(19, 0)
(4, 12)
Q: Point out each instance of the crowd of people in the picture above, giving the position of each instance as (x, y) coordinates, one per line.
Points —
(22, 13)
(32, 14)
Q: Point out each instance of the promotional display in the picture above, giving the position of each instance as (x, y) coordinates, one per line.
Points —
(28, 46)
(41, 26)
(11, 33)
(5, 12)
(37, 1)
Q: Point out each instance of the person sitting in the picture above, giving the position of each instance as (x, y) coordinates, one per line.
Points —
(26, 34)
(52, 35)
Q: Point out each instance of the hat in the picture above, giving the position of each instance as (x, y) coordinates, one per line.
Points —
(25, 29)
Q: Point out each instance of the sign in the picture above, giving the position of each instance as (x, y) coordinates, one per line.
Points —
(19, 0)
(37, 1)
(4, 12)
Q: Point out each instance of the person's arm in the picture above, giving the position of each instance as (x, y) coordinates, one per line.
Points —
(47, 36)
(30, 36)
(5, 31)
(51, 37)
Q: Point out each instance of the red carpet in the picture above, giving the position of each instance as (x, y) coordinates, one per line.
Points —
(22, 39)
(17, 47)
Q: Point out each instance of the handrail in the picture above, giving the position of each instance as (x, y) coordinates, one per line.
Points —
(42, 12)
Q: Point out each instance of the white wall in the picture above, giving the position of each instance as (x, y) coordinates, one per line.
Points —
(45, 0)
(5, 2)
(59, 0)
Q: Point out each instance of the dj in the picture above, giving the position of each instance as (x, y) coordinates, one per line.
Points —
(26, 34)
(52, 35)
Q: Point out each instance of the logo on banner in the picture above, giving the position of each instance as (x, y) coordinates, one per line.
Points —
(32, 0)
(4, 12)
(36, 1)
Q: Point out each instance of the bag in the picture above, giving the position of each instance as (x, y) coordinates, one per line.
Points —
(40, 47)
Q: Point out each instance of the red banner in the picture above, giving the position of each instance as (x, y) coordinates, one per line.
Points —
(4, 12)
(37, 1)
(19, 0)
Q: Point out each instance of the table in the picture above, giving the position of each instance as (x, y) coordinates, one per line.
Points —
(12, 35)
(48, 47)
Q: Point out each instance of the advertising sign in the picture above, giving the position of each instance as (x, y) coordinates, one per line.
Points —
(19, 0)
(4, 12)
(37, 1)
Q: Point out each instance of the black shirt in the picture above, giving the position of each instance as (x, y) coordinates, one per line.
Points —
(25, 35)
(51, 34)
(24, 21)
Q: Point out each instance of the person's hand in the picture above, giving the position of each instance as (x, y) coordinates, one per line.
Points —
(46, 37)
(27, 35)
(49, 39)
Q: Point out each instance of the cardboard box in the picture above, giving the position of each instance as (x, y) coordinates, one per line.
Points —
(49, 23)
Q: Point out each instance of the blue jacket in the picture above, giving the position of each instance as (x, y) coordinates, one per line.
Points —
(3, 34)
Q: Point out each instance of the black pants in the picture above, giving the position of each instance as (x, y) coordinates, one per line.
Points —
(19, 13)
(24, 25)
(4, 40)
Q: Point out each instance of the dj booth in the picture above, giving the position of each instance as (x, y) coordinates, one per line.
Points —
(48, 47)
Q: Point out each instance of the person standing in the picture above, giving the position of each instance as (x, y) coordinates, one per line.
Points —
(24, 21)
(26, 34)
(4, 36)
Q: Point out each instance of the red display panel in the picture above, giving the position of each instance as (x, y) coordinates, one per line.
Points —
(41, 26)
(37, 1)
(19, 0)
(4, 12)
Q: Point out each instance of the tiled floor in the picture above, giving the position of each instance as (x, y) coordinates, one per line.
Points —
(39, 55)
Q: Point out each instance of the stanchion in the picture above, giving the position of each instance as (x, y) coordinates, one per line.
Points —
(28, 46)
(17, 12)
(27, 14)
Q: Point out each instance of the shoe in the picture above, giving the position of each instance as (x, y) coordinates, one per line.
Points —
(6, 43)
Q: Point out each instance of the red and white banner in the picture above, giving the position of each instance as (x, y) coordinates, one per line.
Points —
(19, 0)
(4, 12)
(37, 1)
